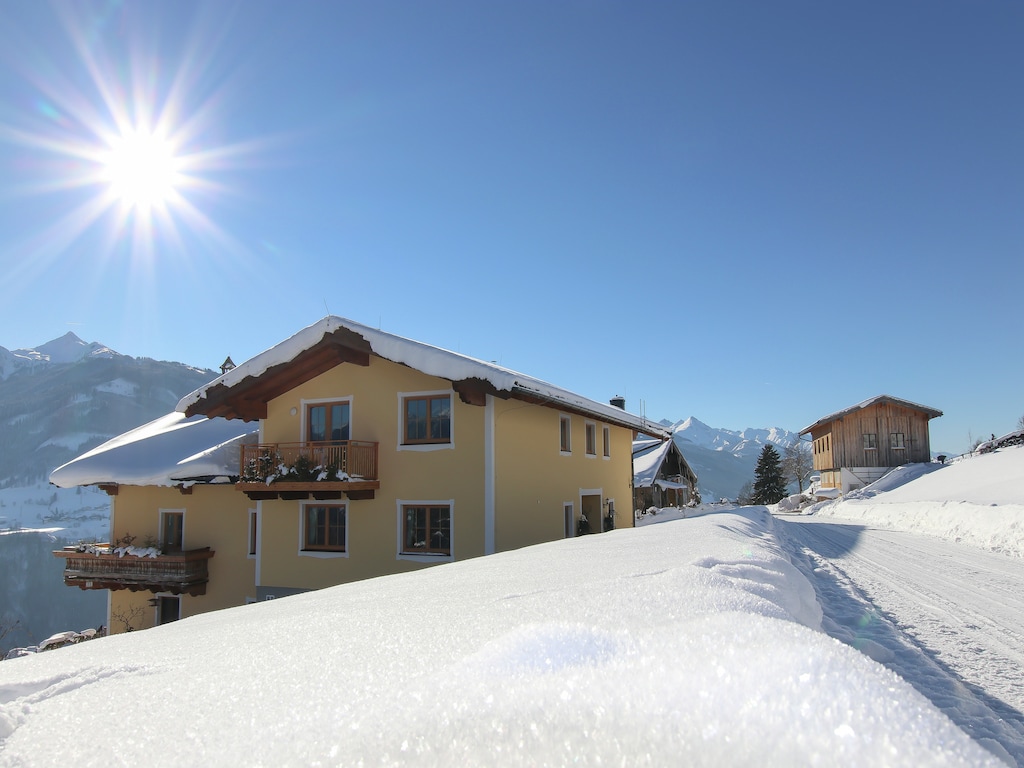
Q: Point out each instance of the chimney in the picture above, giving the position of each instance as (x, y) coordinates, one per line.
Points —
(227, 365)
(618, 401)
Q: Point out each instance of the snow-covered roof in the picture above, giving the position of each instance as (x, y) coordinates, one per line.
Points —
(167, 451)
(431, 360)
(647, 458)
(932, 413)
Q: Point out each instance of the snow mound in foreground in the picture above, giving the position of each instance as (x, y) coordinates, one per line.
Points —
(694, 642)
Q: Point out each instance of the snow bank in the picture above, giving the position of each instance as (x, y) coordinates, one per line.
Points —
(978, 500)
(695, 642)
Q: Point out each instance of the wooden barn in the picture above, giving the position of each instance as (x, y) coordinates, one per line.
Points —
(661, 476)
(859, 444)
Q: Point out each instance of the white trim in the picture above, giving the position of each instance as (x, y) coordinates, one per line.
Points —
(304, 406)
(402, 445)
(320, 554)
(572, 518)
(160, 524)
(156, 608)
(606, 440)
(425, 558)
(259, 544)
(489, 476)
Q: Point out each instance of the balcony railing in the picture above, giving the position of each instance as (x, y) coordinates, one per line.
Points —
(291, 470)
(177, 573)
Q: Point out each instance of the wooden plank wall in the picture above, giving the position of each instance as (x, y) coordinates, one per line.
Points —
(844, 446)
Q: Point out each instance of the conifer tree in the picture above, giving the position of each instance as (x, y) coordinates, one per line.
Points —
(769, 484)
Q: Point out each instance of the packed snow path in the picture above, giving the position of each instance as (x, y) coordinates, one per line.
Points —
(948, 618)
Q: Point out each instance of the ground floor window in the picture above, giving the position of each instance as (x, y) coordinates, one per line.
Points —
(426, 529)
(324, 527)
(168, 609)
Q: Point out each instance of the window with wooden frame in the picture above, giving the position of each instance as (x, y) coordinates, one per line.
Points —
(896, 441)
(427, 419)
(253, 531)
(564, 434)
(328, 422)
(870, 441)
(324, 528)
(590, 430)
(607, 434)
(426, 529)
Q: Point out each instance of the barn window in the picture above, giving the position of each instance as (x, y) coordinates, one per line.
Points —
(870, 441)
(896, 441)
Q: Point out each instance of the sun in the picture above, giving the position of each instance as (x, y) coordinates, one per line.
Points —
(141, 169)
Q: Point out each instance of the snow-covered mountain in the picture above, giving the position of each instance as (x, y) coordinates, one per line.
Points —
(724, 459)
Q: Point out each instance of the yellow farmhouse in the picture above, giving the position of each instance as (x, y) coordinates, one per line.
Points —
(340, 454)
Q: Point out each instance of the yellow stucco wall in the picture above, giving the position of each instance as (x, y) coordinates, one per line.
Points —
(449, 473)
(535, 479)
(216, 516)
(524, 489)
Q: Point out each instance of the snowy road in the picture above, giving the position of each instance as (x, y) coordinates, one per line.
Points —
(948, 618)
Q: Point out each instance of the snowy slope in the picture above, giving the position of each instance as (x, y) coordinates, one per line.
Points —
(695, 642)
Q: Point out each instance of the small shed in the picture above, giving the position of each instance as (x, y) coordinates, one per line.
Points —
(661, 476)
(857, 445)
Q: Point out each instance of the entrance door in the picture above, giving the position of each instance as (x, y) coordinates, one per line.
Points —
(590, 506)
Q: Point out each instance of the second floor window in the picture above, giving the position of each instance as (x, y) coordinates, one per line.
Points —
(328, 422)
(896, 441)
(428, 419)
(565, 434)
(870, 441)
(591, 433)
(607, 442)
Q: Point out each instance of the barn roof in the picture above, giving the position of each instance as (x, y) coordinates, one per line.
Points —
(931, 413)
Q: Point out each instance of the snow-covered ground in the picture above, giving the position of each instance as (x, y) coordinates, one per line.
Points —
(700, 641)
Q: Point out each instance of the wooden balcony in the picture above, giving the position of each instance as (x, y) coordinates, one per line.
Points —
(309, 470)
(177, 573)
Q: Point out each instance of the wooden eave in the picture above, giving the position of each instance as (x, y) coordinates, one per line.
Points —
(247, 399)
(321, 490)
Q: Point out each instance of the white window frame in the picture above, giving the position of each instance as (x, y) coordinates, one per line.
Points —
(163, 513)
(567, 451)
(320, 554)
(254, 534)
(589, 427)
(402, 445)
(569, 509)
(606, 442)
(156, 609)
(425, 557)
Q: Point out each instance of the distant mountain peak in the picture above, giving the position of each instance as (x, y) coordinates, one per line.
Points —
(65, 349)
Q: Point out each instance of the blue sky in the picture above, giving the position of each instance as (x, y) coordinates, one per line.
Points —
(752, 213)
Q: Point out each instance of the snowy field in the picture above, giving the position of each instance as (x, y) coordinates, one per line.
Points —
(696, 641)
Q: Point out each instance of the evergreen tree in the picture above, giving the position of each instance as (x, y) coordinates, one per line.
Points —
(769, 484)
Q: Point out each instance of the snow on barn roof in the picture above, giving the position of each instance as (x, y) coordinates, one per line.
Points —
(433, 361)
(932, 413)
(167, 451)
(647, 458)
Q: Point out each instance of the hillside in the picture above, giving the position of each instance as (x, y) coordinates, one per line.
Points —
(723, 459)
(57, 401)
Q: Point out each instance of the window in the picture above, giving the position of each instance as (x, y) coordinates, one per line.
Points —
(168, 609)
(172, 530)
(324, 528)
(427, 419)
(328, 422)
(870, 441)
(896, 441)
(591, 433)
(607, 442)
(253, 532)
(565, 434)
(426, 529)
(569, 520)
